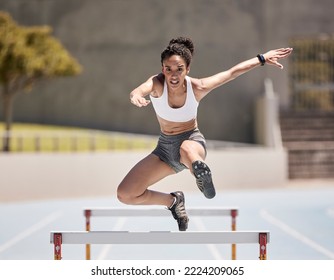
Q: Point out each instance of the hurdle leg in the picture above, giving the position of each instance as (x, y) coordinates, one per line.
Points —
(263, 246)
(57, 237)
(88, 215)
(234, 214)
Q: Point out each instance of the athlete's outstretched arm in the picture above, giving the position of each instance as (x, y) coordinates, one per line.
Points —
(205, 85)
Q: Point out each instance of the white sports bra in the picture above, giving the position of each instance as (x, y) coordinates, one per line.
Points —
(183, 114)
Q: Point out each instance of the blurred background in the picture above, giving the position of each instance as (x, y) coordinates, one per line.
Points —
(118, 43)
(118, 46)
(78, 136)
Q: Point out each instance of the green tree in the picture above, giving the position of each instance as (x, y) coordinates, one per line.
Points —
(27, 55)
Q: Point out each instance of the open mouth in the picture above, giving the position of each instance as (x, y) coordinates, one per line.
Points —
(173, 82)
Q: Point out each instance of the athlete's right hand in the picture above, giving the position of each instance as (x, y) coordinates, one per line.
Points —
(139, 101)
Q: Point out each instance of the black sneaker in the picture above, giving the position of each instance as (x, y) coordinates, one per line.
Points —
(203, 176)
(178, 211)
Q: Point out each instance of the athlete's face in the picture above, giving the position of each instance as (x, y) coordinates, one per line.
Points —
(175, 69)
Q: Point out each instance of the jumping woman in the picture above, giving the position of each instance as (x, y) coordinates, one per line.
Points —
(175, 97)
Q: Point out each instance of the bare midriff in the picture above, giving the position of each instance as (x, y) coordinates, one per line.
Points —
(172, 128)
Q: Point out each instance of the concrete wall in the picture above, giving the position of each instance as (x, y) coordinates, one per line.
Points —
(57, 176)
(119, 42)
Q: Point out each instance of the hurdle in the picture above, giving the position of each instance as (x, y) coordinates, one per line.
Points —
(159, 212)
(159, 237)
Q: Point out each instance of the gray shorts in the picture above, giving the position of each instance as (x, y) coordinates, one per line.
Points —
(168, 148)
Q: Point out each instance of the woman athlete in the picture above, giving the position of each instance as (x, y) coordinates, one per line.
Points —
(175, 97)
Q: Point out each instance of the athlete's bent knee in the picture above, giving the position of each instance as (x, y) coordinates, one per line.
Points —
(127, 197)
(123, 196)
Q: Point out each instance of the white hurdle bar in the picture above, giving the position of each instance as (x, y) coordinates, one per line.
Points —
(159, 212)
(159, 237)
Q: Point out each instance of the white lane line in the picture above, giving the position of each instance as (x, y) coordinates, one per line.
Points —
(106, 248)
(212, 248)
(330, 212)
(29, 231)
(294, 233)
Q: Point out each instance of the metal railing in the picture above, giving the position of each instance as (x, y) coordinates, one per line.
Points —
(311, 71)
(68, 141)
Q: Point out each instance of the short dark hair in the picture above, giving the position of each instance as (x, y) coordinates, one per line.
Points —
(181, 46)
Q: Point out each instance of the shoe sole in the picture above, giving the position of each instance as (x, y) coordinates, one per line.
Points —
(209, 191)
(208, 187)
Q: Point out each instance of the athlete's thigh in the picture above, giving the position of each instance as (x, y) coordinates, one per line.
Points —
(145, 173)
(190, 151)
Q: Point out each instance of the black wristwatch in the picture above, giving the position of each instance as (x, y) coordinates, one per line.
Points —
(261, 59)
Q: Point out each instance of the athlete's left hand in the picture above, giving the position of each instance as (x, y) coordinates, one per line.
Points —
(273, 56)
